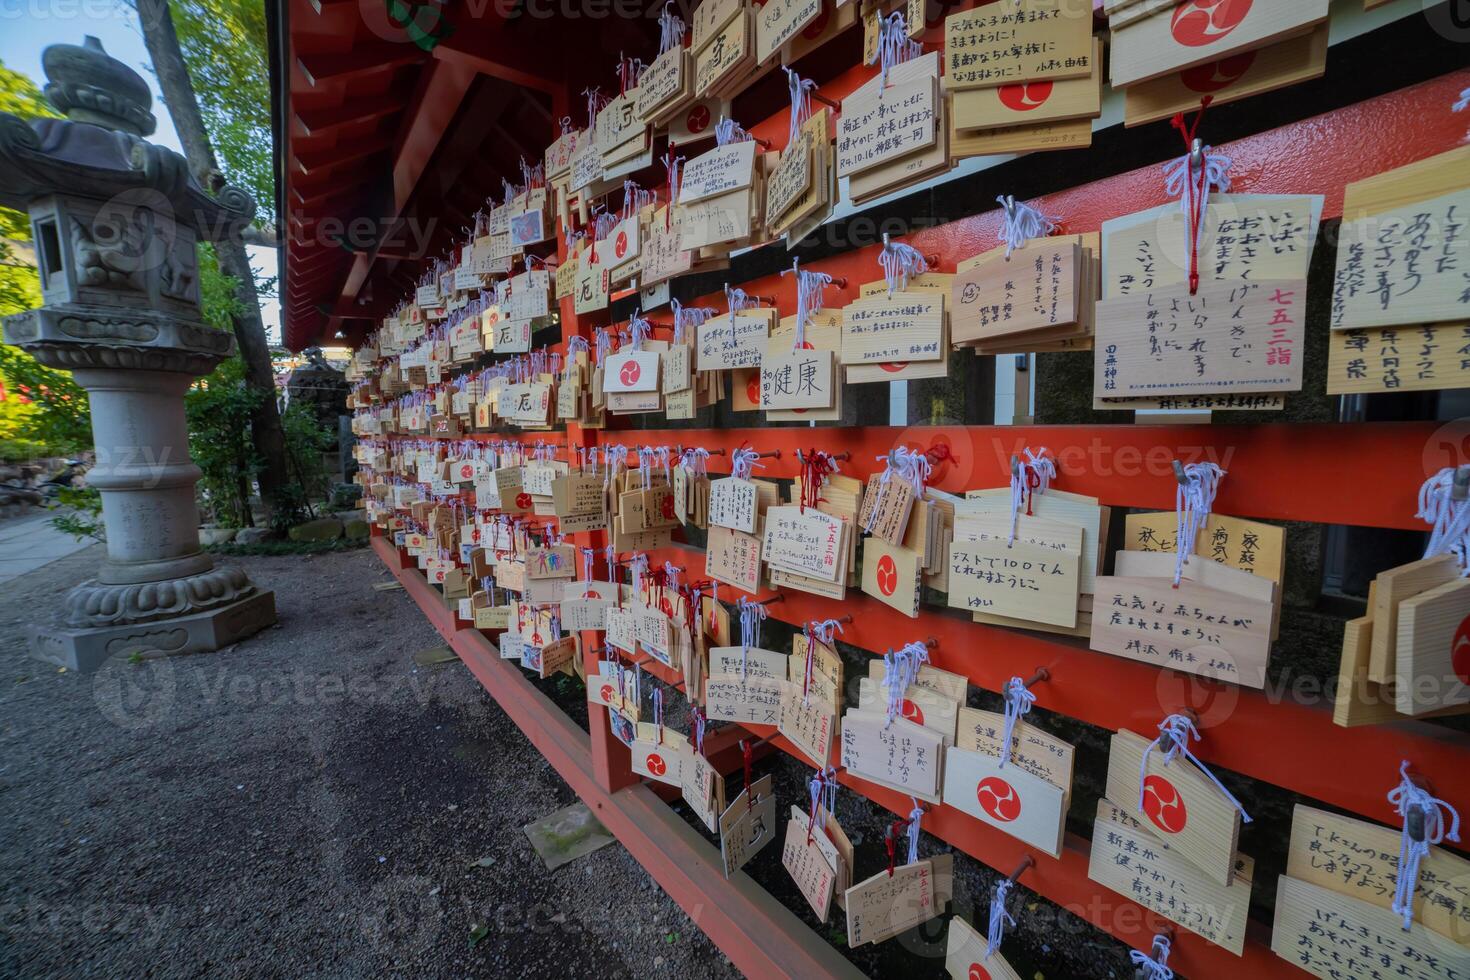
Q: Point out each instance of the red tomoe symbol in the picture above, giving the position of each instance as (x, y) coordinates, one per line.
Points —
(620, 246)
(590, 594)
(1164, 805)
(629, 373)
(1024, 96)
(886, 575)
(607, 692)
(466, 472)
(656, 765)
(998, 798)
(523, 500)
(912, 712)
(666, 508)
(1214, 76)
(492, 318)
(697, 119)
(894, 366)
(978, 972)
(1200, 22)
(1460, 651)
(753, 390)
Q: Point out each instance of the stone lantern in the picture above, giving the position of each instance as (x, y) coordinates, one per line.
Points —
(115, 220)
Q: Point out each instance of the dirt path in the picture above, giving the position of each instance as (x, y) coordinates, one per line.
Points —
(306, 802)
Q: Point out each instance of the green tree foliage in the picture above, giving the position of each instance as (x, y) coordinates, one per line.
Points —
(42, 412)
(224, 45)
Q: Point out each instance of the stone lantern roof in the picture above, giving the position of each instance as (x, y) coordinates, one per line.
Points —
(98, 150)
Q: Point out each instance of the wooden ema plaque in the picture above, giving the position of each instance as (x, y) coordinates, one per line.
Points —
(1019, 580)
(1180, 806)
(1128, 858)
(1210, 574)
(1225, 338)
(899, 755)
(1198, 31)
(1019, 41)
(1428, 357)
(1390, 590)
(965, 959)
(1327, 933)
(1030, 103)
(1008, 798)
(919, 705)
(1247, 545)
(1359, 860)
(885, 905)
(1402, 252)
(810, 861)
(1432, 649)
(1037, 288)
(1229, 79)
(1191, 627)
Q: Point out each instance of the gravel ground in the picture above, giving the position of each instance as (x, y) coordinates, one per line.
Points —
(307, 801)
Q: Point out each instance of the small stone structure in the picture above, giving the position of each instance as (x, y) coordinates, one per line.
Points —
(116, 220)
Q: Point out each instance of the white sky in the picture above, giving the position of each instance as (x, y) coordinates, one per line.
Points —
(28, 26)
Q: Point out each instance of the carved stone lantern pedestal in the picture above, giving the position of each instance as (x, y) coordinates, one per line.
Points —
(116, 221)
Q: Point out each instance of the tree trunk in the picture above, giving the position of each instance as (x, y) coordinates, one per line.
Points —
(183, 108)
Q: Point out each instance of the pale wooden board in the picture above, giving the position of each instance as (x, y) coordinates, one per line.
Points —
(867, 136)
(886, 904)
(801, 856)
(1319, 930)
(1400, 266)
(1149, 248)
(891, 574)
(1067, 134)
(1359, 859)
(1427, 357)
(1297, 59)
(1033, 749)
(943, 682)
(1432, 649)
(989, 45)
(1038, 288)
(900, 754)
(1181, 806)
(1235, 646)
(1019, 581)
(1431, 177)
(1391, 588)
(965, 959)
(919, 705)
(1124, 852)
(1008, 798)
(1247, 545)
(1210, 574)
(1174, 39)
(1055, 505)
(1253, 336)
(1028, 103)
(904, 327)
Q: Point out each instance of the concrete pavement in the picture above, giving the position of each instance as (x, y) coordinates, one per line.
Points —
(27, 543)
